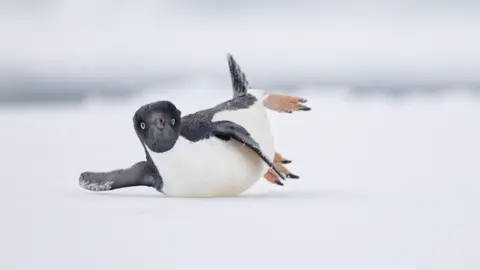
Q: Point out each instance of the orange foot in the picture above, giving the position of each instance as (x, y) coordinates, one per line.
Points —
(286, 172)
(286, 104)
(278, 161)
(272, 178)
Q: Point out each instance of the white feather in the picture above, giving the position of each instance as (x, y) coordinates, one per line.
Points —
(217, 168)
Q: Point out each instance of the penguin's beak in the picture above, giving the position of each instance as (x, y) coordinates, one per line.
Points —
(160, 123)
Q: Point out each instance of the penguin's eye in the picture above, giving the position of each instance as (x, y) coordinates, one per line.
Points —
(173, 121)
(142, 125)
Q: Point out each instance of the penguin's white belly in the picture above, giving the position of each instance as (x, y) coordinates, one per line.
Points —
(217, 168)
(255, 121)
(208, 168)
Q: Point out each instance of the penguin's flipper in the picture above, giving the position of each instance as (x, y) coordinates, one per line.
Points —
(140, 174)
(226, 130)
(239, 81)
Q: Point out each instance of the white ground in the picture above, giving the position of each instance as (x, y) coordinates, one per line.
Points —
(383, 186)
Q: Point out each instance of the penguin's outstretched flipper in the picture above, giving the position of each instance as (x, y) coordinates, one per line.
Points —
(140, 174)
(274, 102)
(226, 130)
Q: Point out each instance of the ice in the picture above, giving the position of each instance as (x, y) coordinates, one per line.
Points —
(383, 185)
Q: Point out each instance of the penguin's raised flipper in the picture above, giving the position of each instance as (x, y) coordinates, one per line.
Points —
(286, 104)
(226, 130)
(140, 174)
(239, 81)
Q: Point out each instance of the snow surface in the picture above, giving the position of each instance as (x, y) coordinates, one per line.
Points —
(383, 185)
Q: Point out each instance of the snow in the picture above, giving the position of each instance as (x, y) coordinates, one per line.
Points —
(384, 185)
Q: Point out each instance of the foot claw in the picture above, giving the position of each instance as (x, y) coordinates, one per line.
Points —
(282, 169)
(280, 159)
(272, 177)
(293, 176)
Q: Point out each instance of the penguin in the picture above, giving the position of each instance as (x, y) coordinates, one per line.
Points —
(274, 102)
(217, 152)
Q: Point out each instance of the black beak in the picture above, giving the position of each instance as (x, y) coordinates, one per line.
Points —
(160, 123)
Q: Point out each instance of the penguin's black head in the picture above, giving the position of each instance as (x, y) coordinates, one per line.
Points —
(158, 125)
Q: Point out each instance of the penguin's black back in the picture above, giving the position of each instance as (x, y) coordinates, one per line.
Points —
(197, 126)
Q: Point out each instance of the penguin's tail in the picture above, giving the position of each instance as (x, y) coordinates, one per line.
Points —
(137, 175)
(239, 80)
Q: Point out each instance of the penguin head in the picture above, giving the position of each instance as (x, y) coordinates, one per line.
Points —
(158, 125)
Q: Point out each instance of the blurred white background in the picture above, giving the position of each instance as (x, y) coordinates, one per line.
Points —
(67, 49)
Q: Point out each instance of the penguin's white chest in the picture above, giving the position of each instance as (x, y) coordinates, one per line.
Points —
(213, 167)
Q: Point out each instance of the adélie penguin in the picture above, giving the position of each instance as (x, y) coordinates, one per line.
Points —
(275, 102)
(217, 152)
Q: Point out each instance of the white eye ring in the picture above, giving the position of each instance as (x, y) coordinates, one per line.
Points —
(142, 125)
(173, 121)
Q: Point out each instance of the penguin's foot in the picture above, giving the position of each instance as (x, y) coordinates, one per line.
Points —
(285, 104)
(273, 178)
(280, 159)
(285, 171)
